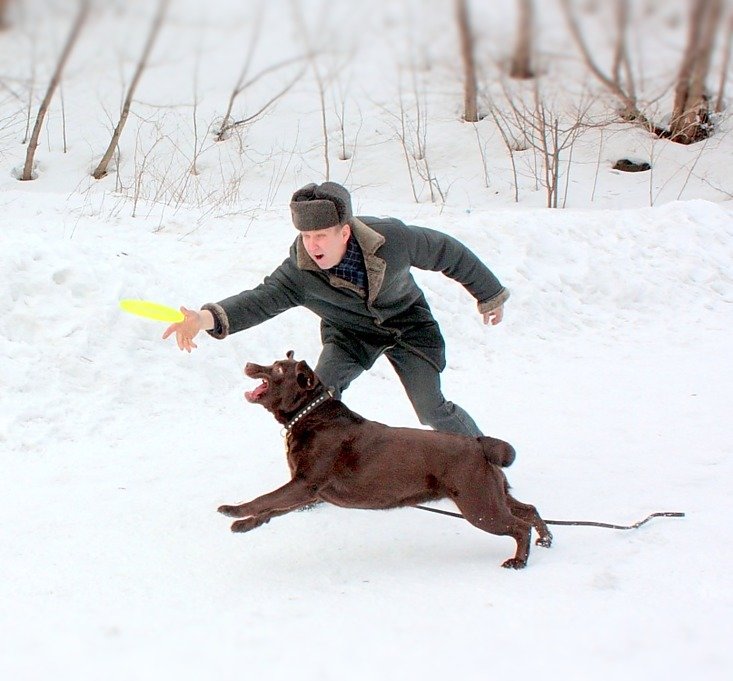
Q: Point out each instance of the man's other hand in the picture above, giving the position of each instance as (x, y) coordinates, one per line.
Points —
(494, 316)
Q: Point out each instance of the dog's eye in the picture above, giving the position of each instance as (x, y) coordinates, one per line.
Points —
(279, 370)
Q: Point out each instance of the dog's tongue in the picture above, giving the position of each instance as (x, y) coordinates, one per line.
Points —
(254, 395)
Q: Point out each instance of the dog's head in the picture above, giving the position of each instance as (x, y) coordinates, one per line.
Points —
(286, 386)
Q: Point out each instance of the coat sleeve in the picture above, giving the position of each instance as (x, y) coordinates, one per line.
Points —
(435, 251)
(277, 293)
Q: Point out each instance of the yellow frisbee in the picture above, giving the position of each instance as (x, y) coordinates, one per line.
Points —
(150, 310)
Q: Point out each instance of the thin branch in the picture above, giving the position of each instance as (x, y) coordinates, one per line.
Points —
(267, 105)
(256, 33)
(403, 138)
(505, 136)
(63, 115)
(482, 152)
(242, 86)
(31, 89)
(312, 58)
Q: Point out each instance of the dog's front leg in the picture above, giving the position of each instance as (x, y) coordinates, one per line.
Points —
(294, 494)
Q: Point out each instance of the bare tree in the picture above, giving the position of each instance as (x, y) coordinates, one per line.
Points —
(690, 120)
(339, 104)
(550, 134)
(621, 69)
(31, 87)
(470, 107)
(521, 64)
(510, 146)
(720, 103)
(55, 80)
(321, 83)
(622, 89)
(239, 87)
(227, 123)
(4, 13)
(413, 137)
(324, 121)
(420, 135)
(482, 153)
(101, 169)
(404, 138)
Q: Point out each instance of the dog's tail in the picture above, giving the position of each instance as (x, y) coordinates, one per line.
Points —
(498, 452)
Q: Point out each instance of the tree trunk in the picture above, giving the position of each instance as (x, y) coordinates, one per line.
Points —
(720, 103)
(55, 80)
(622, 72)
(521, 66)
(101, 169)
(690, 120)
(470, 107)
(4, 14)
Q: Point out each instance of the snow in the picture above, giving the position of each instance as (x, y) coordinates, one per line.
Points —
(611, 374)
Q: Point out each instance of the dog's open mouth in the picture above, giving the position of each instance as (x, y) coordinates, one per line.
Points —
(258, 392)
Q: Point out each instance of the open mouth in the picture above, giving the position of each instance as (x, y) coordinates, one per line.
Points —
(258, 392)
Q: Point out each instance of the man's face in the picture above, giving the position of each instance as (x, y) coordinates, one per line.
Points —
(327, 246)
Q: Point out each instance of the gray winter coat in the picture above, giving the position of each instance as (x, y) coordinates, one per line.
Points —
(393, 311)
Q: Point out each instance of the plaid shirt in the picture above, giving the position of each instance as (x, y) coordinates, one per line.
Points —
(352, 267)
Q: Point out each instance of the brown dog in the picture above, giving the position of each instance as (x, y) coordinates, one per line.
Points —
(337, 456)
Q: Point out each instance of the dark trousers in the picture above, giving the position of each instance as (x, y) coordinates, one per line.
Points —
(421, 380)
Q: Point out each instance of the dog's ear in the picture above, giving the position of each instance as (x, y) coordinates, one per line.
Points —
(304, 375)
(290, 354)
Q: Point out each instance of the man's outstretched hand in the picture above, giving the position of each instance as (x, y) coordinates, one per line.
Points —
(193, 322)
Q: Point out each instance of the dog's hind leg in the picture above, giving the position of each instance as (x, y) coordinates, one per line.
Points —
(486, 506)
(496, 520)
(529, 514)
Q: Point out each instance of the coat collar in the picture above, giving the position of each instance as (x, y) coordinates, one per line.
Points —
(369, 241)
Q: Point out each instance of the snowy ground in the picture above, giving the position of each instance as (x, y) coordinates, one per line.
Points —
(612, 375)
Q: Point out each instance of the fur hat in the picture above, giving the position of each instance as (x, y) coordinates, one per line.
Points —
(320, 206)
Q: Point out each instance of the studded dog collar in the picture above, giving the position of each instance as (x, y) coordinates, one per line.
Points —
(305, 411)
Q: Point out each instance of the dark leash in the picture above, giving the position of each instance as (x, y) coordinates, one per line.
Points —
(590, 523)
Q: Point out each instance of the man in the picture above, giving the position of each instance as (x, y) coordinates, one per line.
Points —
(354, 273)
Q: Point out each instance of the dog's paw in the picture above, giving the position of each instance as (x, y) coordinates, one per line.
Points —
(545, 541)
(245, 525)
(231, 511)
(514, 564)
